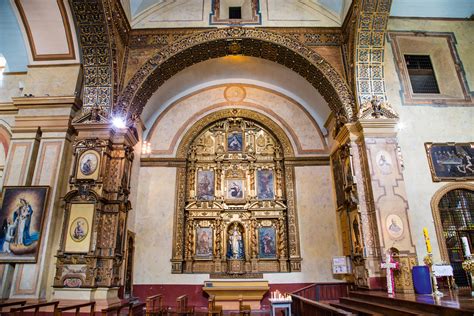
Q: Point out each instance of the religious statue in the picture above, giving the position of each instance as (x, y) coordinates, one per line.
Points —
(236, 243)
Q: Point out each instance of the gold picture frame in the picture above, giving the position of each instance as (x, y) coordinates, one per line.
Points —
(451, 161)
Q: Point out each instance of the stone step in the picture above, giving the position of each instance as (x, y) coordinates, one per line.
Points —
(400, 300)
(356, 310)
(386, 309)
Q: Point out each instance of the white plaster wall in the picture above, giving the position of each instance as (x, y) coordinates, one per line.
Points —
(426, 123)
(155, 205)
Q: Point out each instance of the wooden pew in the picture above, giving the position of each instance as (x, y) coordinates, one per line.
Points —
(36, 307)
(154, 305)
(133, 309)
(244, 309)
(77, 308)
(212, 308)
(9, 304)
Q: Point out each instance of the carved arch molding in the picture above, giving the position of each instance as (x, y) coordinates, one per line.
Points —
(236, 210)
(238, 41)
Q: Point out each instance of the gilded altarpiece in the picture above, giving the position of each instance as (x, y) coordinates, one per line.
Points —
(91, 249)
(236, 211)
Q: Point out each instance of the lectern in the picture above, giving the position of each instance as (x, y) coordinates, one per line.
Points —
(227, 293)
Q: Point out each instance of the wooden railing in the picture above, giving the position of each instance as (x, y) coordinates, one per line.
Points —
(324, 291)
(77, 309)
(305, 307)
(35, 307)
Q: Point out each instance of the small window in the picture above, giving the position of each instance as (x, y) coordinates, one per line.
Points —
(422, 76)
(235, 13)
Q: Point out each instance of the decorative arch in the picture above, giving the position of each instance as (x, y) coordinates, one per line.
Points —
(191, 134)
(5, 137)
(233, 41)
(436, 214)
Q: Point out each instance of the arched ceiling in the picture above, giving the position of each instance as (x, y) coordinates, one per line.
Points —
(36, 32)
(237, 69)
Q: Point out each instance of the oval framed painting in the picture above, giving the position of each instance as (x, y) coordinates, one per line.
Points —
(79, 229)
(89, 163)
(394, 226)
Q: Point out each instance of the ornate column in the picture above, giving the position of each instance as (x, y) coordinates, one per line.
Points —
(98, 198)
(39, 154)
(381, 194)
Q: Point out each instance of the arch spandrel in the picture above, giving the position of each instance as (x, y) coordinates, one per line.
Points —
(199, 126)
(246, 41)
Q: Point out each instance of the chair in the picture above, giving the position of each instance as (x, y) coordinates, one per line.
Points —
(77, 308)
(154, 305)
(212, 308)
(244, 309)
(182, 307)
(35, 307)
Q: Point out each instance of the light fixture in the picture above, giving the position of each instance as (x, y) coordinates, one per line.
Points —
(146, 148)
(119, 122)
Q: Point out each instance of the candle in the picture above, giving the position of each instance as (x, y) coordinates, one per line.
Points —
(465, 243)
(427, 240)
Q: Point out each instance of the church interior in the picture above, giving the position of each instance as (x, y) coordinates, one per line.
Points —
(237, 157)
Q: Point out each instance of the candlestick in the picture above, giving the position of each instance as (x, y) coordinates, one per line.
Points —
(465, 243)
(427, 240)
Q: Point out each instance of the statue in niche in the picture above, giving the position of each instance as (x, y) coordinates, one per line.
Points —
(235, 249)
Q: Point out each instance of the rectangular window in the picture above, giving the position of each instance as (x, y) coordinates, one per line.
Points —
(235, 13)
(422, 76)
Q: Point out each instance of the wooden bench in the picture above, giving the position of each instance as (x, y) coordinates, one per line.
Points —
(212, 308)
(133, 309)
(35, 307)
(77, 308)
(154, 305)
(9, 304)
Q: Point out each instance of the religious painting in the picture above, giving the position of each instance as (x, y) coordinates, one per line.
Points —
(205, 185)
(267, 243)
(356, 236)
(88, 165)
(235, 189)
(265, 186)
(394, 226)
(235, 246)
(383, 162)
(451, 161)
(204, 242)
(22, 214)
(234, 142)
(79, 228)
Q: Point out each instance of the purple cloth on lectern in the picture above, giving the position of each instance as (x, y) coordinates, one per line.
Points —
(422, 279)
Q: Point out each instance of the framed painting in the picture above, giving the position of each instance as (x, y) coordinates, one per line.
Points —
(205, 185)
(78, 234)
(88, 165)
(235, 189)
(235, 142)
(451, 161)
(265, 184)
(267, 243)
(204, 242)
(22, 214)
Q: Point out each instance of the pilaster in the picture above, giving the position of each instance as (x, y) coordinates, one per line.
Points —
(99, 186)
(39, 153)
